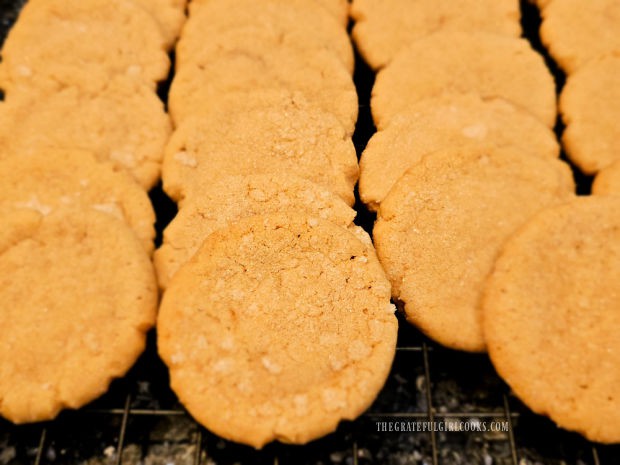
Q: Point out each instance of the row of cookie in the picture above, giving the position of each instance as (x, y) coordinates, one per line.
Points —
(458, 168)
(83, 74)
(275, 321)
(271, 92)
(582, 38)
(459, 116)
(78, 289)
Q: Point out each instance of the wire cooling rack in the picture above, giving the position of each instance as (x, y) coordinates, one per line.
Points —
(140, 420)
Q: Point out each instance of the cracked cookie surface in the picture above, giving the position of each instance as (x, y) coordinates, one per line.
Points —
(277, 329)
(290, 140)
(227, 200)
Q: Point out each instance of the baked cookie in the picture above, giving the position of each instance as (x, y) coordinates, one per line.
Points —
(319, 77)
(78, 294)
(339, 9)
(170, 14)
(576, 31)
(551, 313)
(123, 123)
(58, 179)
(607, 181)
(286, 141)
(59, 43)
(590, 108)
(439, 230)
(297, 26)
(441, 123)
(456, 62)
(278, 328)
(227, 200)
(383, 27)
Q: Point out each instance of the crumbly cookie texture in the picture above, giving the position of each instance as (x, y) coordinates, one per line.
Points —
(441, 123)
(441, 227)
(552, 316)
(169, 14)
(298, 26)
(277, 329)
(59, 179)
(576, 32)
(123, 123)
(607, 181)
(295, 140)
(319, 77)
(383, 27)
(225, 201)
(121, 39)
(590, 108)
(339, 9)
(78, 294)
(490, 65)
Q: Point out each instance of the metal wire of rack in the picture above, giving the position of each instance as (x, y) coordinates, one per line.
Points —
(140, 421)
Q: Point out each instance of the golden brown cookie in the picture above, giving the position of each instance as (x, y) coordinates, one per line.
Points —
(455, 62)
(319, 77)
(439, 230)
(170, 14)
(590, 108)
(225, 201)
(277, 329)
(441, 123)
(383, 27)
(60, 179)
(337, 8)
(577, 31)
(607, 181)
(296, 140)
(123, 123)
(78, 294)
(552, 316)
(57, 43)
(297, 26)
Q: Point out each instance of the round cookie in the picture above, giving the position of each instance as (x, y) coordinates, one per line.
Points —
(442, 225)
(551, 315)
(296, 25)
(170, 14)
(78, 294)
(339, 9)
(58, 179)
(319, 77)
(229, 199)
(292, 140)
(59, 43)
(277, 329)
(590, 108)
(455, 62)
(576, 32)
(124, 123)
(383, 27)
(607, 181)
(441, 123)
